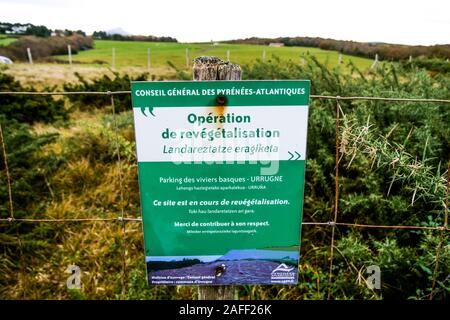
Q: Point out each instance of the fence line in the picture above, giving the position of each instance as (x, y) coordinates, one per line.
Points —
(304, 223)
(336, 197)
(119, 165)
(333, 223)
(63, 93)
(312, 96)
(118, 219)
(387, 99)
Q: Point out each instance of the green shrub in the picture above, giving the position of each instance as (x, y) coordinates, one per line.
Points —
(103, 84)
(29, 166)
(393, 160)
(435, 65)
(29, 108)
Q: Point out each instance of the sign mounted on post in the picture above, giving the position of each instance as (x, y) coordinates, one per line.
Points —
(221, 174)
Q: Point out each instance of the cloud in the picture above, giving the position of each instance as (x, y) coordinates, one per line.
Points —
(39, 3)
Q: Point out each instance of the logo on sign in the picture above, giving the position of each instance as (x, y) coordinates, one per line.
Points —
(282, 268)
(283, 274)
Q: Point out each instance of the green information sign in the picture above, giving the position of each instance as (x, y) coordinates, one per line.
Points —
(221, 174)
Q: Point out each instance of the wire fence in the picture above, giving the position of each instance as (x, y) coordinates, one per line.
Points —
(333, 223)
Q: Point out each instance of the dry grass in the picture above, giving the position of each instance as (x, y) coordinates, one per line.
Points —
(50, 75)
(85, 189)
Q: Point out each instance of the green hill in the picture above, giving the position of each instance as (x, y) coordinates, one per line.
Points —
(134, 53)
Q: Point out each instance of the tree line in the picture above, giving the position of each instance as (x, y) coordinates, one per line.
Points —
(103, 35)
(28, 29)
(385, 51)
(44, 48)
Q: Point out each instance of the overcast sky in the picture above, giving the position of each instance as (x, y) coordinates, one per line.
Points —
(394, 21)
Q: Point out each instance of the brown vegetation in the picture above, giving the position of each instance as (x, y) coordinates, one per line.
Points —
(45, 47)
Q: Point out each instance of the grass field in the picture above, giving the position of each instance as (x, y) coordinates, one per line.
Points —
(134, 54)
(131, 58)
(5, 40)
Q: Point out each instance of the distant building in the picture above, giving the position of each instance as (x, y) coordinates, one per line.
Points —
(276, 44)
(20, 29)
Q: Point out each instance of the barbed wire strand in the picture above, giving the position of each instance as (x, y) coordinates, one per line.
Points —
(117, 219)
(306, 223)
(388, 99)
(8, 176)
(441, 236)
(64, 93)
(120, 174)
(312, 96)
(374, 226)
(336, 199)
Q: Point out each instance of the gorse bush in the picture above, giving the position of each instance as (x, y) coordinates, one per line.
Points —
(30, 168)
(30, 109)
(435, 65)
(100, 144)
(393, 161)
(104, 84)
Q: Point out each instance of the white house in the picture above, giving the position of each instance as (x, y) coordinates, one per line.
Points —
(276, 44)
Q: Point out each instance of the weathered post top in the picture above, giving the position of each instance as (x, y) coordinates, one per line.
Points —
(213, 68)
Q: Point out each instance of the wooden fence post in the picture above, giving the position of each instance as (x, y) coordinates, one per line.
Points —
(187, 57)
(375, 62)
(30, 57)
(113, 59)
(213, 68)
(69, 52)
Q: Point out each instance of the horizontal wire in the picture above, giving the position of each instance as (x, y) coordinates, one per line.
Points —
(393, 99)
(313, 96)
(120, 219)
(357, 225)
(374, 226)
(329, 223)
(63, 93)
